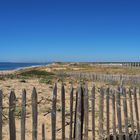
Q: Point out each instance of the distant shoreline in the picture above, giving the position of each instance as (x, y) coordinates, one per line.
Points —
(5, 72)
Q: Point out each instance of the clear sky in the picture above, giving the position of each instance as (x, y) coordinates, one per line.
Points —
(69, 30)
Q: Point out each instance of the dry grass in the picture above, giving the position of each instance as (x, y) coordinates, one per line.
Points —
(89, 67)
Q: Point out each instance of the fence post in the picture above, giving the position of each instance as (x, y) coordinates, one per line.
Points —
(53, 114)
(34, 114)
(63, 110)
(93, 111)
(107, 113)
(86, 107)
(131, 113)
(136, 112)
(101, 110)
(114, 115)
(75, 116)
(139, 93)
(23, 115)
(12, 126)
(1, 114)
(79, 116)
(43, 131)
(125, 114)
(71, 112)
(118, 106)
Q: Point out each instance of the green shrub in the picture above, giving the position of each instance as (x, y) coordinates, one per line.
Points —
(18, 112)
(11, 76)
(36, 73)
(2, 78)
(46, 81)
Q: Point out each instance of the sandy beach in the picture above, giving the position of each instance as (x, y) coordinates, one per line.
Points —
(44, 97)
(44, 90)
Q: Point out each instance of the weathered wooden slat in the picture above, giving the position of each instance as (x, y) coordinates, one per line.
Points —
(101, 114)
(63, 110)
(12, 125)
(139, 95)
(82, 111)
(53, 114)
(75, 116)
(1, 103)
(108, 113)
(43, 132)
(71, 112)
(23, 115)
(114, 115)
(34, 114)
(131, 113)
(93, 111)
(119, 114)
(136, 111)
(86, 108)
(125, 114)
(79, 115)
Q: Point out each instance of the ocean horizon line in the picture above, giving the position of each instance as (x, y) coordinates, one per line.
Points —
(8, 66)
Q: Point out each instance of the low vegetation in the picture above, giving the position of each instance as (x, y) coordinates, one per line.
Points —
(95, 68)
(36, 73)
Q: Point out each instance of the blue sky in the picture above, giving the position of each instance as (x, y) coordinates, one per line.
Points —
(69, 30)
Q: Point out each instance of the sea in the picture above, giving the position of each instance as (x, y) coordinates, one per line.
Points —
(5, 66)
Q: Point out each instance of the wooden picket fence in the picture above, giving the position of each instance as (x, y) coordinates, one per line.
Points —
(131, 64)
(114, 114)
(133, 79)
